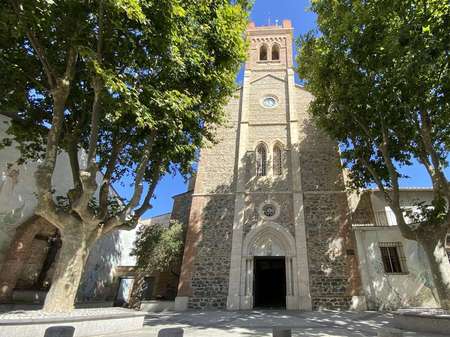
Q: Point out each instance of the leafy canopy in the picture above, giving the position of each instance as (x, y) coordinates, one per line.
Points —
(142, 85)
(380, 76)
(158, 247)
(379, 71)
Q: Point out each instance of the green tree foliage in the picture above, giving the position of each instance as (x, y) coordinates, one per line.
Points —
(379, 71)
(128, 89)
(158, 248)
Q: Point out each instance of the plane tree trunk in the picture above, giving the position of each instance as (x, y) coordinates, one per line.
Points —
(438, 261)
(73, 254)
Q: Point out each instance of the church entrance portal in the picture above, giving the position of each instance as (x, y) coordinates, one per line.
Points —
(269, 282)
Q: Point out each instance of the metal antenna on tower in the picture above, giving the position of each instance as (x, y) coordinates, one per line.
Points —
(269, 18)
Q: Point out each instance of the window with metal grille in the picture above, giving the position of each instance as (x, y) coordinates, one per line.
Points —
(277, 161)
(261, 160)
(394, 260)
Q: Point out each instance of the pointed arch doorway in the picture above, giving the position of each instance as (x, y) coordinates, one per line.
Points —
(269, 279)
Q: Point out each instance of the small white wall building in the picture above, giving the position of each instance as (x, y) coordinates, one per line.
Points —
(394, 270)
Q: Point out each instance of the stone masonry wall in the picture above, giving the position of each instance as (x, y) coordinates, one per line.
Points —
(182, 207)
(215, 172)
(206, 262)
(285, 218)
(212, 262)
(330, 243)
(325, 217)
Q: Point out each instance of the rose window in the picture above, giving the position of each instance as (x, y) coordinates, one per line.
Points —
(268, 210)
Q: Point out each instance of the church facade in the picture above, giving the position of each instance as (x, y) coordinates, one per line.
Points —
(269, 218)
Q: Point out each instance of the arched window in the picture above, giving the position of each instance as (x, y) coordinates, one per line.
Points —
(261, 160)
(277, 161)
(275, 52)
(263, 53)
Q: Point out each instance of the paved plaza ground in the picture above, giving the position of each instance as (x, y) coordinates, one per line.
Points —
(260, 323)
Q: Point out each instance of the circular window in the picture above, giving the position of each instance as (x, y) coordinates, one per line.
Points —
(268, 210)
(269, 102)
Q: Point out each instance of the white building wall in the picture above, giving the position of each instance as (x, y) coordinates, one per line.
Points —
(408, 198)
(100, 278)
(391, 291)
(18, 188)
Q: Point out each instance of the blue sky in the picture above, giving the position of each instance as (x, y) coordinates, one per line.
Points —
(264, 11)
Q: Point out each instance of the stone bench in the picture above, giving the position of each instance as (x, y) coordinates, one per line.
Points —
(78, 323)
(423, 320)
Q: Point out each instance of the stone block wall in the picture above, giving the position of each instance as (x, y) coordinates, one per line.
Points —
(182, 207)
(333, 273)
(218, 160)
(284, 201)
(363, 213)
(211, 266)
(268, 84)
(327, 242)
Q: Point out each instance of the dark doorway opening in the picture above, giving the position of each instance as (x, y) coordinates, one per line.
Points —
(269, 288)
(147, 289)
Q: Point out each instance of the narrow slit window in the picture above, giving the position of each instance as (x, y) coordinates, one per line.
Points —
(277, 161)
(263, 53)
(261, 160)
(275, 52)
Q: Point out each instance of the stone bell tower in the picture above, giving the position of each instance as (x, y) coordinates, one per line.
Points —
(268, 221)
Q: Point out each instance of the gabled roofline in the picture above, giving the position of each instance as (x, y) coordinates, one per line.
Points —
(268, 75)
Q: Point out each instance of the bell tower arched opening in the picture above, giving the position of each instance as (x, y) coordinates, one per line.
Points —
(263, 53)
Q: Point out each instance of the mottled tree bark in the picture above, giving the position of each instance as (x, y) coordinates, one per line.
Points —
(440, 267)
(136, 291)
(69, 269)
(17, 255)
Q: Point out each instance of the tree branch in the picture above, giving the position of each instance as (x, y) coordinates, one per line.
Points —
(72, 151)
(406, 231)
(119, 219)
(37, 46)
(97, 85)
(106, 181)
(146, 205)
(140, 173)
(436, 170)
(46, 206)
(88, 176)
